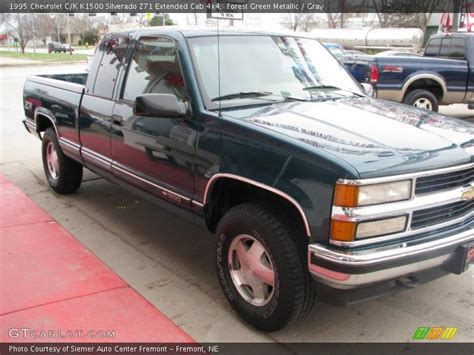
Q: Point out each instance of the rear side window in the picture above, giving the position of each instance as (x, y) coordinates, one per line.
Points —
(112, 51)
(154, 68)
(444, 48)
(432, 48)
(457, 50)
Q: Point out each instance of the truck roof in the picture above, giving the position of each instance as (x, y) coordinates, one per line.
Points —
(453, 34)
(193, 31)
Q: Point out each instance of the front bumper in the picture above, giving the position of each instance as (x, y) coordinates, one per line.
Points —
(344, 268)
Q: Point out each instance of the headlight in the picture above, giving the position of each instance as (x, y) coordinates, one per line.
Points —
(365, 195)
(360, 195)
(381, 227)
(350, 231)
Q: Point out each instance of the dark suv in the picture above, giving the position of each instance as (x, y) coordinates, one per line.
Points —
(58, 47)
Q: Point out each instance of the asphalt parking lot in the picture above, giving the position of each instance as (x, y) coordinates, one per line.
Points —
(171, 262)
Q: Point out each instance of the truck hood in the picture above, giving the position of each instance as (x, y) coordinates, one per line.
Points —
(376, 137)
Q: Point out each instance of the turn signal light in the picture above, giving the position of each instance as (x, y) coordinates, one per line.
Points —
(346, 195)
(343, 231)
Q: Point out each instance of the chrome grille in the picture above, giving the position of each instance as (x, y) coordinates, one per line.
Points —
(435, 215)
(441, 201)
(445, 181)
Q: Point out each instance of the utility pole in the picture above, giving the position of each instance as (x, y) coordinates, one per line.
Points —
(457, 9)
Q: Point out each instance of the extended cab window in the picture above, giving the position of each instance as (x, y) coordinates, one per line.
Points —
(457, 50)
(113, 50)
(444, 48)
(432, 48)
(154, 69)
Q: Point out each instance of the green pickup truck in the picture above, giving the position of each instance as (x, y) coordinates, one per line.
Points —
(314, 189)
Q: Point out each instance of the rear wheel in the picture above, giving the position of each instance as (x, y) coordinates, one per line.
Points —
(64, 174)
(261, 268)
(423, 99)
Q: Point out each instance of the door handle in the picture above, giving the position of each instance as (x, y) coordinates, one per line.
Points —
(117, 120)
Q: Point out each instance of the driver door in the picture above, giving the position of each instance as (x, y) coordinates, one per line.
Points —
(154, 153)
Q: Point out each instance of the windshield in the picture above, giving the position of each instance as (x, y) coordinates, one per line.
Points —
(263, 69)
(337, 52)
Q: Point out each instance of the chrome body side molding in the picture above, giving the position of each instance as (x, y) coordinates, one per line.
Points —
(287, 197)
(168, 194)
(96, 159)
(70, 148)
(40, 113)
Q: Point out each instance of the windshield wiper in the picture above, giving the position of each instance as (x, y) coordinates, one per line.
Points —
(293, 98)
(330, 87)
(322, 87)
(242, 95)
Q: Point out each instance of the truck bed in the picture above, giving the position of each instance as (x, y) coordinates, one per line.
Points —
(395, 72)
(77, 78)
(57, 98)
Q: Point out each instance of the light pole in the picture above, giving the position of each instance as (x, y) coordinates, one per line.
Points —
(69, 28)
(457, 9)
(69, 32)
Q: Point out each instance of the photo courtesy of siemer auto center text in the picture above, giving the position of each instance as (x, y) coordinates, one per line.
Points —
(237, 177)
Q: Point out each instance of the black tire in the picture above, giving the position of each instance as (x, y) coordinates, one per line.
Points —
(420, 94)
(69, 172)
(292, 295)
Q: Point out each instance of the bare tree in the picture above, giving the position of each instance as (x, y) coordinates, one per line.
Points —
(121, 19)
(44, 27)
(339, 11)
(298, 21)
(59, 23)
(416, 14)
(338, 19)
(309, 22)
(81, 23)
(19, 26)
(385, 18)
(333, 19)
(141, 19)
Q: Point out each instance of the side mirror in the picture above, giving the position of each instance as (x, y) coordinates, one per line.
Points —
(368, 89)
(159, 105)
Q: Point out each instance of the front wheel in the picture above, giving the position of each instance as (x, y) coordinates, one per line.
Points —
(423, 99)
(261, 268)
(64, 174)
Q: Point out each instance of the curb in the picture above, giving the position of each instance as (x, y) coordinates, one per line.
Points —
(40, 63)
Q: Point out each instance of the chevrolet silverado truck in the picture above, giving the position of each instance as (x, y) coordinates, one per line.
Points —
(313, 188)
(443, 76)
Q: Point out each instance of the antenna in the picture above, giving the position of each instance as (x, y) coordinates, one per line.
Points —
(219, 67)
